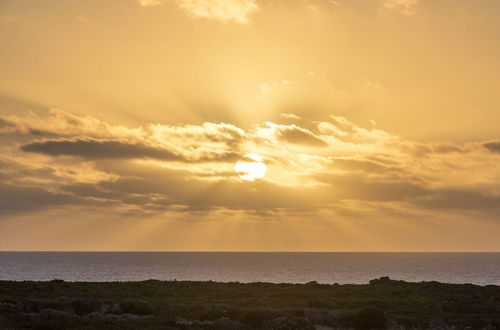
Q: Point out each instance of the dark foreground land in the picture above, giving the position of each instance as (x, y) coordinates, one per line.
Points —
(152, 304)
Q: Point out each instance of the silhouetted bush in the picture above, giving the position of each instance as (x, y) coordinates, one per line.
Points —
(56, 280)
(136, 306)
(369, 318)
(225, 323)
(211, 314)
(212, 305)
(54, 315)
(288, 323)
(317, 303)
(256, 317)
(82, 306)
(381, 280)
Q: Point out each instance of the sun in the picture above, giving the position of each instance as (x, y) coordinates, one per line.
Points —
(250, 167)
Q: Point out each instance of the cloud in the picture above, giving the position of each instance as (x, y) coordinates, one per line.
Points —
(150, 3)
(237, 11)
(61, 123)
(493, 146)
(298, 135)
(5, 123)
(98, 149)
(286, 134)
(362, 187)
(109, 149)
(15, 199)
(290, 116)
(406, 7)
(211, 141)
(461, 200)
(311, 96)
(332, 164)
(6, 127)
(365, 165)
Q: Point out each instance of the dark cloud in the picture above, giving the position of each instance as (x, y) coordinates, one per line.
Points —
(4, 123)
(146, 201)
(154, 189)
(459, 199)
(187, 190)
(444, 148)
(352, 186)
(418, 149)
(113, 149)
(40, 132)
(493, 146)
(194, 194)
(8, 127)
(365, 189)
(371, 177)
(298, 135)
(149, 190)
(96, 149)
(89, 190)
(14, 199)
(365, 165)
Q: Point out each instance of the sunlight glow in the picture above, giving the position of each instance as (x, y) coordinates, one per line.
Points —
(250, 167)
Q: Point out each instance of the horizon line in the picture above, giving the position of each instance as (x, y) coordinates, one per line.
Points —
(207, 251)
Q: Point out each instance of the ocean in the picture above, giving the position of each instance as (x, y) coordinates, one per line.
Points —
(276, 267)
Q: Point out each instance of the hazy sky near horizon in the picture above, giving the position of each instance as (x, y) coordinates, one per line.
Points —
(378, 120)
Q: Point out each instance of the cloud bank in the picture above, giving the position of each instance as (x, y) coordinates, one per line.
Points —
(406, 7)
(66, 160)
(236, 11)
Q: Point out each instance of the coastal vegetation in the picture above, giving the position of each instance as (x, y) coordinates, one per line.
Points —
(152, 304)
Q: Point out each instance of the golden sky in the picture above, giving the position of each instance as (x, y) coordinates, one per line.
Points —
(378, 120)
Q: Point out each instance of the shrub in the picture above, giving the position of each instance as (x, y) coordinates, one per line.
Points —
(288, 323)
(54, 315)
(381, 280)
(136, 306)
(369, 318)
(57, 280)
(82, 306)
(256, 317)
(317, 303)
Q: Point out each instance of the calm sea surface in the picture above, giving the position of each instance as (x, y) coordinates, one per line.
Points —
(478, 268)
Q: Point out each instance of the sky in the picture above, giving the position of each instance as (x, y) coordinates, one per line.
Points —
(121, 122)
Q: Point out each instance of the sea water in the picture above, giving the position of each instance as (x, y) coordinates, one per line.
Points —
(276, 267)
